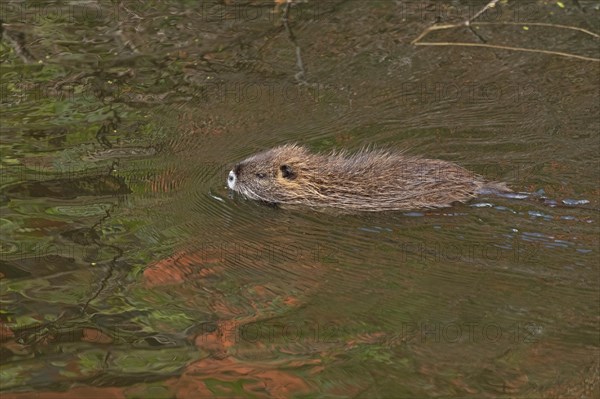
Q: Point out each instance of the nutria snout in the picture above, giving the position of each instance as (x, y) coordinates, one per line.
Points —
(365, 181)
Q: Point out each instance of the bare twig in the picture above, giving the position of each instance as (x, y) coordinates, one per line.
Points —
(469, 23)
(528, 50)
(489, 5)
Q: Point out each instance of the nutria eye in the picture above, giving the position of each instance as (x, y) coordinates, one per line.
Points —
(287, 172)
(261, 175)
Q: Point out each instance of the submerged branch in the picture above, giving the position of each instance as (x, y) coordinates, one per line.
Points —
(16, 40)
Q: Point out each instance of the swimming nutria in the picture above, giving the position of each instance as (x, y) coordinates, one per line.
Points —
(365, 181)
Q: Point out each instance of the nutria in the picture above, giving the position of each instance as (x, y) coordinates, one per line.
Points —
(365, 181)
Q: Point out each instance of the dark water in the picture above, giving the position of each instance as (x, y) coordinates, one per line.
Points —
(128, 270)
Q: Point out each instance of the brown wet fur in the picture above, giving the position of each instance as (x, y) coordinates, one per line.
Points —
(365, 181)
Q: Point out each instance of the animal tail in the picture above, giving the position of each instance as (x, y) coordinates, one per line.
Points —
(493, 187)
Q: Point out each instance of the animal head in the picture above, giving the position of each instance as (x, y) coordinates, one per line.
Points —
(271, 175)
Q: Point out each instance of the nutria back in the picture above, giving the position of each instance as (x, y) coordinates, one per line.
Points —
(365, 181)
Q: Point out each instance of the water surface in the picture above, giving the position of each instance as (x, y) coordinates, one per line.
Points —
(128, 270)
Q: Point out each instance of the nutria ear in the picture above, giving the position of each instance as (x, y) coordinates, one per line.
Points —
(287, 172)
